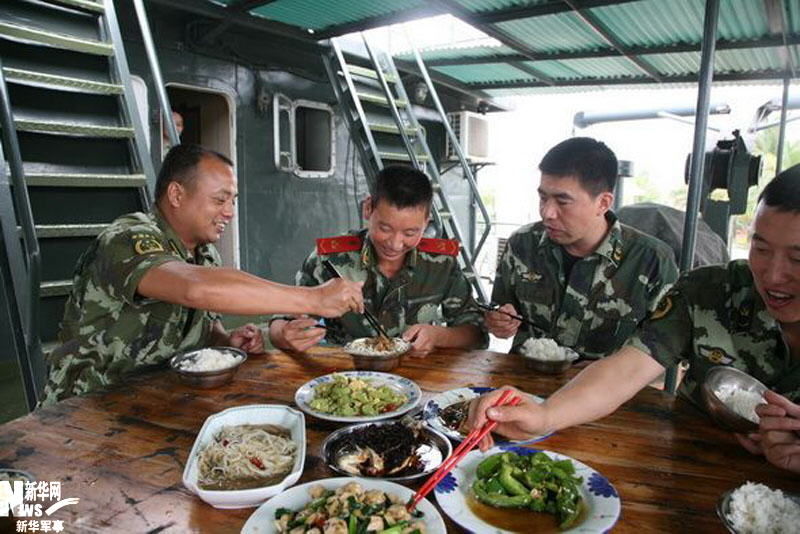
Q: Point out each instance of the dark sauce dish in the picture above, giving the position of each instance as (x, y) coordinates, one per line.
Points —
(397, 451)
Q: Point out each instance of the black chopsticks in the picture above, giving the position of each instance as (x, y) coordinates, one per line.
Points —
(520, 318)
(332, 271)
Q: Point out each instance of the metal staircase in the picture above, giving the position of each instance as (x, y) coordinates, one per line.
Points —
(75, 149)
(385, 130)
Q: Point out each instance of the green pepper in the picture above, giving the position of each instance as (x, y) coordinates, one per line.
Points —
(489, 466)
(352, 524)
(511, 484)
(493, 485)
(397, 528)
(499, 500)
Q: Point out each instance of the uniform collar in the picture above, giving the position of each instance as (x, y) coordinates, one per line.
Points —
(747, 306)
(369, 257)
(175, 243)
(611, 247)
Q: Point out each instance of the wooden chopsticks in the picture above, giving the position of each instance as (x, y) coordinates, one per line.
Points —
(472, 439)
(371, 319)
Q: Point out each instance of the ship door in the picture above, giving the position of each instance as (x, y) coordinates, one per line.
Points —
(209, 119)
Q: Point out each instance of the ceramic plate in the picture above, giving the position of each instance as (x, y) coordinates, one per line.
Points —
(254, 414)
(598, 494)
(431, 412)
(261, 522)
(305, 395)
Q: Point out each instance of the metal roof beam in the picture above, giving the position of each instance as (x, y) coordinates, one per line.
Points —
(538, 10)
(237, 6)
(585, 82)
(764, 42)
(455, 9)
(379, 20)
(600, 29)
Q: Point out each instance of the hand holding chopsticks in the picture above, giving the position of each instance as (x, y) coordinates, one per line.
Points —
(371, 319)
(475, 436)
(497, 309)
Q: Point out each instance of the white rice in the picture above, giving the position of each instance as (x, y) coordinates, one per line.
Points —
(741, 401)
(544, 349)
(209, 360)
(757, 509)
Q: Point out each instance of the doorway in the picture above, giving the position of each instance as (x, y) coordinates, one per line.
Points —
(209, 119)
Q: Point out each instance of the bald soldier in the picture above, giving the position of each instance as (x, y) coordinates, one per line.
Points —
(151, 284)
(745, 314)
(579, 275)
(413, 285)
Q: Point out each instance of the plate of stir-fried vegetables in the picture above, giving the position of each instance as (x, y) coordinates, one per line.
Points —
(345, 506)
(512, 488)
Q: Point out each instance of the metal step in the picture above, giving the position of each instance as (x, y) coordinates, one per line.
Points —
(53, 179)
(399, 156)
(58, 40)
(55, 288)
(369, 73)
(86, 5)
(54, 81)
(378, 99)
(390, 128)
(70, 128)
(46, 231)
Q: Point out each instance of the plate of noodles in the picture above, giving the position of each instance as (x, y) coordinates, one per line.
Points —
(242, 456)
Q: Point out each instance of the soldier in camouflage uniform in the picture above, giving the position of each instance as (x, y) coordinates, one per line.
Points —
(745, 314)
(413, 285)
(151, 285)
(582, 277)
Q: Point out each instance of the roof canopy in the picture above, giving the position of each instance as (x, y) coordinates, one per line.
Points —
(548, 44)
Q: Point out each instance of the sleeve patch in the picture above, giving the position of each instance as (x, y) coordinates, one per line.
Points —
(448, 247)
(332, 245)
(663, 308)
(146, 244)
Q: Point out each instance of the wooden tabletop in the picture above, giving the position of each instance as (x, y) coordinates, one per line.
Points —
(122, 453)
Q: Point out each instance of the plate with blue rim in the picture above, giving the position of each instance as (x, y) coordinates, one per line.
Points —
(432, 412)
(601, 499)
(305, 394)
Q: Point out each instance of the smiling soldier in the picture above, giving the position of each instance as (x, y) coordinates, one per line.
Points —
(582, 277)
(413, 285)
(151, 284)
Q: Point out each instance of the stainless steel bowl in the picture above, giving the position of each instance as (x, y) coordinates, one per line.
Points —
(724, 508)
(206, 379)
(383, 361)
(440, 449)
(552, 367)
(722, 377)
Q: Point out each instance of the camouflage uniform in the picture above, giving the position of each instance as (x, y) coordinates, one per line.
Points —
(607, 295)
(429, 289)
(108, 330)
(714, 316)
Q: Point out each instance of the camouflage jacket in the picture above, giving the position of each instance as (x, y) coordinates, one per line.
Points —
(714, 316)
(108, 330)
(607, 295)
(429, 289)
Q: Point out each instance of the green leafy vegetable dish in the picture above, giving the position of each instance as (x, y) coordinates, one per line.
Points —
(345, 396)
(536, 482)
(350, 510)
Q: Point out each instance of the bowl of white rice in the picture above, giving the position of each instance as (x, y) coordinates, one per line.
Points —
(731, 397)
(546, 356)
(209, 367)
(757, 509)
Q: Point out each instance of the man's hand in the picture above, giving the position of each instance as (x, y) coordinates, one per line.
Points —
(339, 296)
(524, 421)
(778, 427)
(248, 338)
(297, 335)
(500, 324)
(423, 338)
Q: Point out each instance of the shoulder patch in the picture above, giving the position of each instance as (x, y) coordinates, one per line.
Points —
(332, 245)
(145, 243)
(448, 247)
(663, 308)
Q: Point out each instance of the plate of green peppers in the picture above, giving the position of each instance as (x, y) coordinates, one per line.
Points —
(511, 479)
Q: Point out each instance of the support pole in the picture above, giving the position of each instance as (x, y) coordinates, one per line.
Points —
(152, 58)
(698, 152)
(782, 131)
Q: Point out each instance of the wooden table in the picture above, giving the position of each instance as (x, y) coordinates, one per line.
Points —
(123, 452)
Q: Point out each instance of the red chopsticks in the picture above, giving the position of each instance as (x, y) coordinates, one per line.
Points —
(472, 439)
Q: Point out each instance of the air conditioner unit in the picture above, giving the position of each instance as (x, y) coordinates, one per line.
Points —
(472, 132)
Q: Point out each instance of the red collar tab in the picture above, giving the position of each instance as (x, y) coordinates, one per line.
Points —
(332, 245)
(448, 247)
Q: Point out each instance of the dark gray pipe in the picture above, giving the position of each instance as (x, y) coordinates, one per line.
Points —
(782, 131)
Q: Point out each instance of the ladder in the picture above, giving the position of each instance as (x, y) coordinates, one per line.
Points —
(75, 151)
(385, 129)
